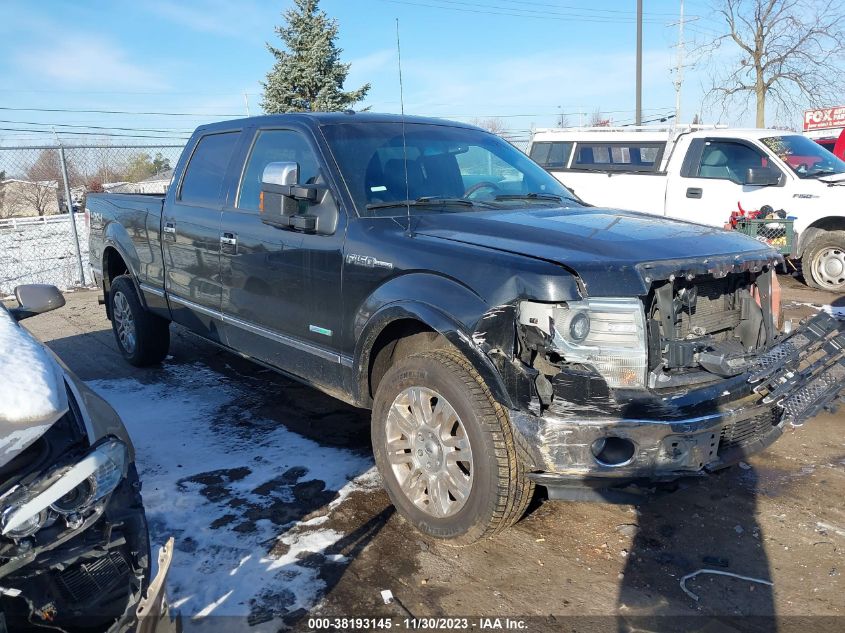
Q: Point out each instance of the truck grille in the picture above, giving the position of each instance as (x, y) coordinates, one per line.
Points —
(741, 433)
(83, 582)
(717, 308)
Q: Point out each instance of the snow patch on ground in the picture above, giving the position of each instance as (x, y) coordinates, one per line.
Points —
(32, 391)
(236, 492)
(837, 311)
(43, 253)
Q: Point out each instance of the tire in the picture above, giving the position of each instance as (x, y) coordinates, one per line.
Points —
(823, 261)
(142, 337)
(451, 468)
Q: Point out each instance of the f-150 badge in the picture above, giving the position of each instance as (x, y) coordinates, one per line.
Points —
(367, 261)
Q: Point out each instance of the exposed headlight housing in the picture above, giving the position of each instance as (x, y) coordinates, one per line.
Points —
(71, 492)
(609, 335)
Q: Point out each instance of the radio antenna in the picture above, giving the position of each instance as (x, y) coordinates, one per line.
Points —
(404, 143)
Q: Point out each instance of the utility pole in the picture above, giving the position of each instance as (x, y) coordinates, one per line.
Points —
(69, 204)
(679, 74)
(639, 116)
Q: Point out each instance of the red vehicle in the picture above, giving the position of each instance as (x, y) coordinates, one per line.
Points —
(834, 145)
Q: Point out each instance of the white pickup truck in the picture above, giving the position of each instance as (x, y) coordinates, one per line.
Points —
(702, 174)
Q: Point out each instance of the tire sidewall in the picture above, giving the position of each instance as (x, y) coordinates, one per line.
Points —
(127, 288)
(427, 371)
(834, 239)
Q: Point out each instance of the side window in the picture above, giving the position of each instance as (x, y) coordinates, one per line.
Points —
(551, 155)
(203, 180)
(478, 161)
(619, 156)
(272, 146)
(726, 160)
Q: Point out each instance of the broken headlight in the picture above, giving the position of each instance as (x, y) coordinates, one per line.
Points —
(69, 492)
(608, 335)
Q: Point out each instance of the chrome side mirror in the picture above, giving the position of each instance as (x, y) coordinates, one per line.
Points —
(283, 174)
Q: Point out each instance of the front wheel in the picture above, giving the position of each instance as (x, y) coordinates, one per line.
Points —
(142, 337)
(824, 261)
(446, 450)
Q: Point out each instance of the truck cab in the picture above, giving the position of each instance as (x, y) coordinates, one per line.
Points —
(704, 174)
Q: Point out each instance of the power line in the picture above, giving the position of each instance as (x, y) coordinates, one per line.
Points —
(12, 129)
(99, 127)
(576, 8)
(543, 12)
(194, 114)
(514, 13)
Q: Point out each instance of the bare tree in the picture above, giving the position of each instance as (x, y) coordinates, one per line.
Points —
(563, 120)
(787, 51)
(597, 119)
(41, 196)
(494, 125)
(44, 177)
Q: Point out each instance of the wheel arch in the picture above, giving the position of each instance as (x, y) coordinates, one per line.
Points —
(116, 263)
(827, 223)
(407, 319)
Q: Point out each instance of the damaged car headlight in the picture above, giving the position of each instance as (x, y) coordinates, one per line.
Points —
(608, 335)
(69, 492)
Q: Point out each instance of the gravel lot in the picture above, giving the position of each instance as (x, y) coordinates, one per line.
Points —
(267, 486)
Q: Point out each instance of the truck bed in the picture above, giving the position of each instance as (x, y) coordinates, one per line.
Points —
(129, 223)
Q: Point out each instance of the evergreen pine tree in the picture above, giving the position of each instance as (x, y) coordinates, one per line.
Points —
(308, 74)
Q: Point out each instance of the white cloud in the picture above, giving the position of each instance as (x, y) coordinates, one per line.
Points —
(470, 86)
(84, 62)
(221, 17)
(375, 62)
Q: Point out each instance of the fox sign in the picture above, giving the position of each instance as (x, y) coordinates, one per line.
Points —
(824, 118)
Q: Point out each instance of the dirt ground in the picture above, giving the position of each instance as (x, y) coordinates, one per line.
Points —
(566, 566)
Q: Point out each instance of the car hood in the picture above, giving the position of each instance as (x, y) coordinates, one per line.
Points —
(32, 389)
(613, 252)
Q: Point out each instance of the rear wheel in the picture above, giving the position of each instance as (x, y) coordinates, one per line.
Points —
(142, 337)
(446, 450)
(824, 261)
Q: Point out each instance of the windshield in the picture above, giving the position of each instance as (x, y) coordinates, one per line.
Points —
(806, 158)
(447, 169)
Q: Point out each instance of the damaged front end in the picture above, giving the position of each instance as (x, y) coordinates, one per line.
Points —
(688, 378)
(74, 548)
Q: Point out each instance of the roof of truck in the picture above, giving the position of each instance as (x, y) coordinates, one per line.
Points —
(655, 134)
(328, 118)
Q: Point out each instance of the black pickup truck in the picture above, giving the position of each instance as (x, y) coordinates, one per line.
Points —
(504, 333)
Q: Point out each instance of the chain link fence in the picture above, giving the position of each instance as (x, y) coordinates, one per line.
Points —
(38, 242)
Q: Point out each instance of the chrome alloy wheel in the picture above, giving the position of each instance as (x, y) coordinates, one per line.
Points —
(829, 267)
(124, 323)
(429, 451)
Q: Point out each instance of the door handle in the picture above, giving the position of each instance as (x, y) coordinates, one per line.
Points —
(694, 192)
(169, 227)
(230, 239)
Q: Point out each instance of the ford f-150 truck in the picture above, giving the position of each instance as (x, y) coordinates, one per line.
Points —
(503, 333)
(702, 174)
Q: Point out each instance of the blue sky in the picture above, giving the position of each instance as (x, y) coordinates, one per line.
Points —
(461, 59)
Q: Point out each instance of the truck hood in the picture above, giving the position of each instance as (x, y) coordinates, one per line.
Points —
(32, 389)
(613, 252)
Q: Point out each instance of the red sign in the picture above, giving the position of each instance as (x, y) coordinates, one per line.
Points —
(824, 118)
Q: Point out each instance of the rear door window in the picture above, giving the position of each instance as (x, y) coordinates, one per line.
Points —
(203, 180)
(643, 157)
(554, 155)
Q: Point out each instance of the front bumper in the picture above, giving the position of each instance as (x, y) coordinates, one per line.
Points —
(695, 431)
(92, 581)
